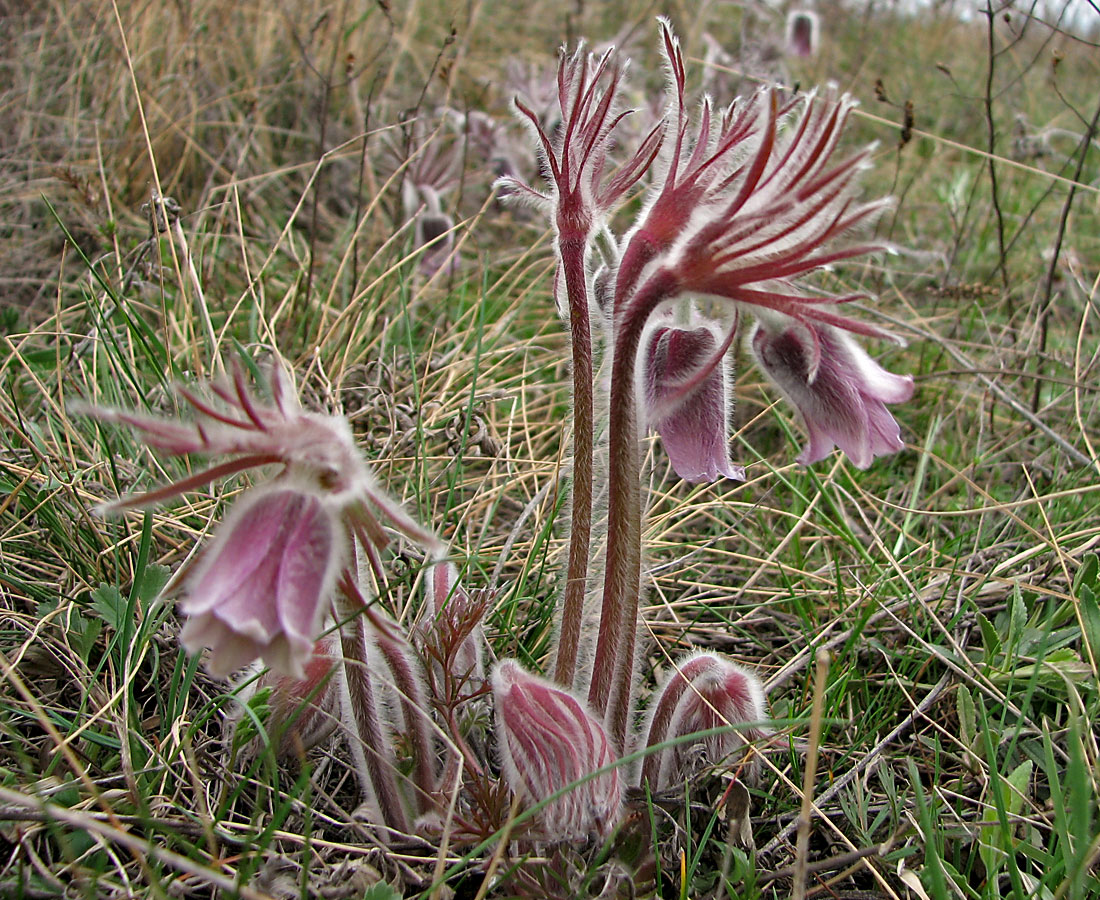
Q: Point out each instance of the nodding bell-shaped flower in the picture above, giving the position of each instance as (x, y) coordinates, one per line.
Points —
(548, 741)
(703, 692)
(268, 578)
(838, 389)
(803, 29)
(687, 392)
(265, 582)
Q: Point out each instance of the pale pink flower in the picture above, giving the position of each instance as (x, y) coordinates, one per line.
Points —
(688, 398)
(269, 576)
(703, 693)
(840, 392)
(549, 741)
(265, 582)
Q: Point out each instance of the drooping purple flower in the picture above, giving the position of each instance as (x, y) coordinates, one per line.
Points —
(803, 28)
(838, 389)
(433, 228)
(702, 693)
(549, 741)
(265, 582)
(688, 397)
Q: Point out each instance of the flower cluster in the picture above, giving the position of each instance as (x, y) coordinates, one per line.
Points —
(740, 204)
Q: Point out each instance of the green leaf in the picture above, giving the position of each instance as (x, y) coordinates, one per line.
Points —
(990, 638)
(1088, 576)
(153, 580)
(1017, 622)
(381, 891)
(995, 837)
(964, 705)
(1090, 615)
(109, 604)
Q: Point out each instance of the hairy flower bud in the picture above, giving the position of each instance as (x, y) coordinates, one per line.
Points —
(550, 741)
(702, 693)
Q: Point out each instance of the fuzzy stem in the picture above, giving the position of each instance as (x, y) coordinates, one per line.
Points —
(414, 705)
(580, 526)
(613, 666)
(367, 735)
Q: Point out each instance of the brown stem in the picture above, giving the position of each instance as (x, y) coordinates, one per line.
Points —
(580, 525)
(613, 667)
(368, 738)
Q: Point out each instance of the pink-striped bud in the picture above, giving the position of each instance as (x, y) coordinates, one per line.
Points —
(550, 741)
(703, 692)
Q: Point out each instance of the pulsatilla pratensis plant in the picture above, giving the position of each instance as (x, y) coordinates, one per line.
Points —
(739, 204)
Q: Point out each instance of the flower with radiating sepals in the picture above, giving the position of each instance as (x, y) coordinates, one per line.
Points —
(839, 390)
(549, 741)
(269, 577)
(687, 400)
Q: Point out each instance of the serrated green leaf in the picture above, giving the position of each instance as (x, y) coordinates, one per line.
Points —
(990, 639)
(109, 604)
(153, 580)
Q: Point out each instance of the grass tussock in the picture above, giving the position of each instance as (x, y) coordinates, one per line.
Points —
(954, 586)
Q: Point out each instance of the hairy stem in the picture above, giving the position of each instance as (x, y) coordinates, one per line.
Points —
(613, 669)
(368, 738)
(414, 705)
(580, 525)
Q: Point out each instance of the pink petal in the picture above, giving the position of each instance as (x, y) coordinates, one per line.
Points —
(265, 582)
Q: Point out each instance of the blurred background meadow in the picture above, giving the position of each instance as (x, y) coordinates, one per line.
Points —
(329, 166)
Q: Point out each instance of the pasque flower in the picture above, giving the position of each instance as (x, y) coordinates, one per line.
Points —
(264, 584)
(839, 390)
(687, 399)
(302, 712)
